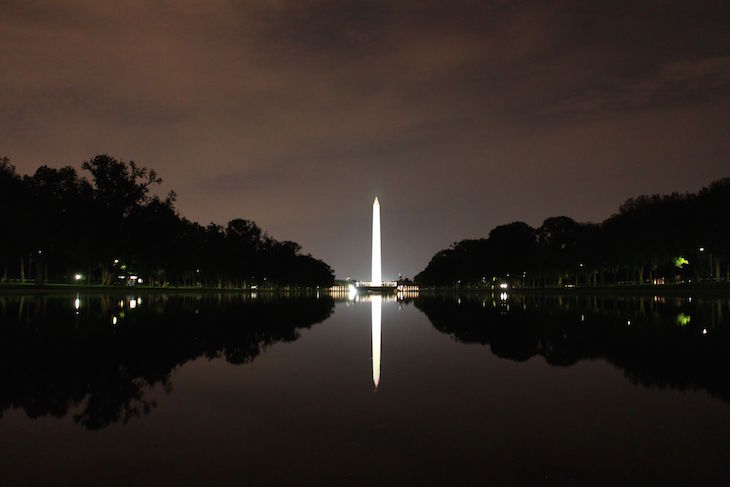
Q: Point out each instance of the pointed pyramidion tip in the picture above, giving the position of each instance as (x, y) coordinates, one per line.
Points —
(376, 201)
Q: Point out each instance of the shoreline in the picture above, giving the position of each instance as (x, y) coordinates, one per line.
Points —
(720, 289)
(7, 289)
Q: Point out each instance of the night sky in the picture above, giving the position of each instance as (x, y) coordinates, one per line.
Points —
(459, 116)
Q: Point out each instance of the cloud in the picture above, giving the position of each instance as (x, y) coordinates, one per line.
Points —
(462, 114)
(237, 180)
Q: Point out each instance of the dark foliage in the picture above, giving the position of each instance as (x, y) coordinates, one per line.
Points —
(57, 225)
(641, 244)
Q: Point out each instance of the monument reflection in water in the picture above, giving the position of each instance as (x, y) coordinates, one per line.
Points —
(376, 317)
(576, 388)
(376, 310)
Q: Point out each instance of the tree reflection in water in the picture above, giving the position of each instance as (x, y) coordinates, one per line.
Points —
(657, 341)
(97, 359)
(102, 354)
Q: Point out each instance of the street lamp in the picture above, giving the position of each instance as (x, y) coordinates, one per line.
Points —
(709, 254)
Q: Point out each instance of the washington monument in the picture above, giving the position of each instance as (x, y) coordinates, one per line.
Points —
(376, 276)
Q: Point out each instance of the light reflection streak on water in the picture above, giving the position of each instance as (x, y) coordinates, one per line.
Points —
(376, 316)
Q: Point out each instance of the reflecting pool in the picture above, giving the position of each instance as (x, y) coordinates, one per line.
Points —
(272, 389)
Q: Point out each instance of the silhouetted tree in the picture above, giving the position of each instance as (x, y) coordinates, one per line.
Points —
(59, 224)
(641, 242)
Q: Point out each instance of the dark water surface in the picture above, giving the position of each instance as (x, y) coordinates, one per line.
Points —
(210, 389)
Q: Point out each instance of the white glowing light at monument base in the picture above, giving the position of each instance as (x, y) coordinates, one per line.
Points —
(376, 311)
(376, 277)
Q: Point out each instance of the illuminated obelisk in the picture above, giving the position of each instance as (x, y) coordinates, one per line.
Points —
(375, 307)
(376, 277)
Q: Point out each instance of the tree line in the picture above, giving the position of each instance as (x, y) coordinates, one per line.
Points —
(680, 237)
(110, 228)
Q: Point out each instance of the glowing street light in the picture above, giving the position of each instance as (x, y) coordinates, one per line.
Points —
(77, 277)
